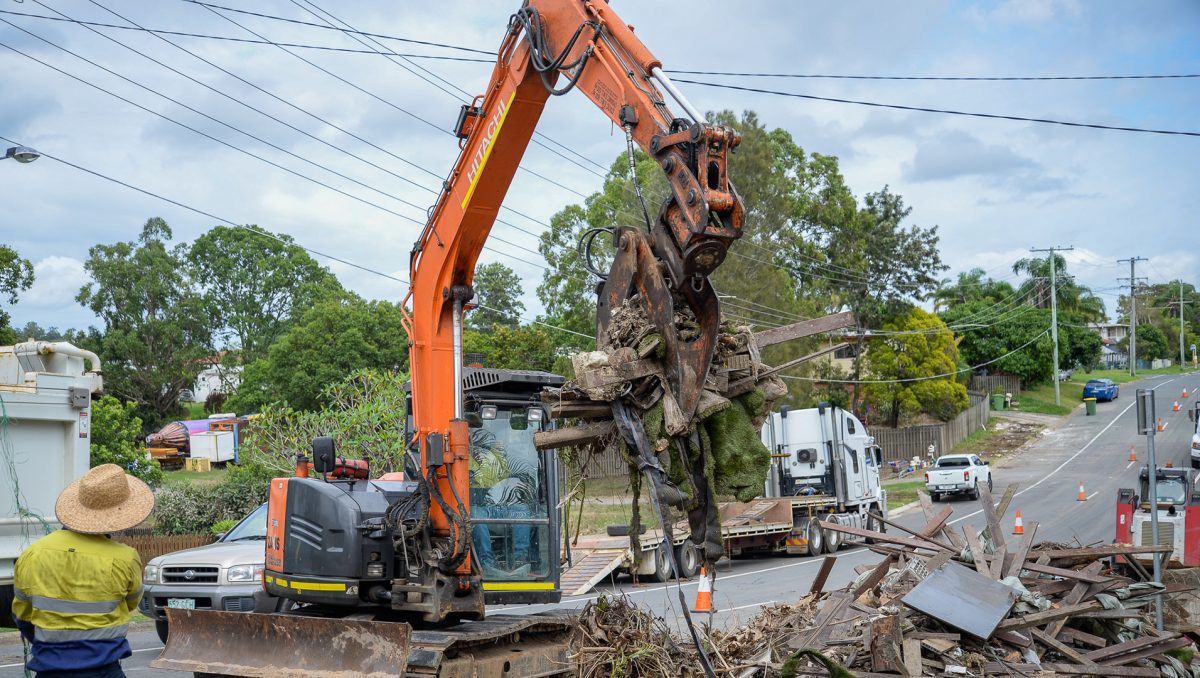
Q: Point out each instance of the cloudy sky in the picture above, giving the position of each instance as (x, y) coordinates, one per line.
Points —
(995, 187)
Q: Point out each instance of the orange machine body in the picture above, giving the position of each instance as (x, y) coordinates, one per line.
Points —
(495, 134)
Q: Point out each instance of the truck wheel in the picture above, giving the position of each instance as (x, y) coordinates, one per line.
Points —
(816, 537)
(989, 482)
(934, 496)
(833, 538)
(662, 565)
(687, 557)
(160, 627)
(1195, 463)
(873, 523)
(975, 489)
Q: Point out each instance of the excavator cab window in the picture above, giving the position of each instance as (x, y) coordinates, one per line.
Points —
(509, 499)
(1171, 490)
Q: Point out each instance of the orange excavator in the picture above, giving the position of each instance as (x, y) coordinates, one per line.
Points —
(379, 572)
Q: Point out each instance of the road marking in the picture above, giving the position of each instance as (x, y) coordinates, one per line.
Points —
(144, 649)
(742, 607)
(1093, 494)
(1129, 464)
(1069, 459)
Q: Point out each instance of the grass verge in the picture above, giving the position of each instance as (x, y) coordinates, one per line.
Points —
(904, 491)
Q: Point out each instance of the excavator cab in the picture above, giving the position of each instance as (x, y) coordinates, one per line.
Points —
(514, 487)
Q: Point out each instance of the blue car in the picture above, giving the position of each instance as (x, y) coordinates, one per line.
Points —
(1101, 389)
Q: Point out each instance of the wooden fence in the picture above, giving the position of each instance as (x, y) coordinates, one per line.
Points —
(902, 444)
(153, 545)
(995, 383)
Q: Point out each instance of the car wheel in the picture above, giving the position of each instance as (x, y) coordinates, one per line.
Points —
(989, 482)
(816, 537)
(160, 626)
(975, 490)
(687, 557)
(1195, 464)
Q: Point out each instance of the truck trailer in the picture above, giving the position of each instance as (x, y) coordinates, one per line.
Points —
(824, 467)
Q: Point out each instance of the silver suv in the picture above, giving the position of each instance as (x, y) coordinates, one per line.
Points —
(225, 575)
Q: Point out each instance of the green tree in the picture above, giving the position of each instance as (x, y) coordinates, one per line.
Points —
(32, 330)
(909, 353)
(254, 280)
(498, 296)
(16, 276)
(1016, 343)
(156, 327)
(972, 285)
(1151, 343)
(530, 347)
(1071, 295)
(329, 341)
(114, 439)
(364, 413)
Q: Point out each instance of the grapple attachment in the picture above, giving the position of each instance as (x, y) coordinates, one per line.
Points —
(241, 644)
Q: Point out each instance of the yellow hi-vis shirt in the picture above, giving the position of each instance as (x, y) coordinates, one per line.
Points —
(73, 595)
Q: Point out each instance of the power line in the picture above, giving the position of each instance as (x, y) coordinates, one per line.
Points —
(909, 380)
(234, 224)
(227, 38)
(315, 25)
(944, 111)
(949, 78)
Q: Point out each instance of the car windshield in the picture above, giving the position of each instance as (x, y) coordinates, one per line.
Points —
(1095, 382)
(252, 528)
(953, 462)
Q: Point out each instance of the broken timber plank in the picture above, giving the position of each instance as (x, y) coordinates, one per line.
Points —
(874, 578)
(920, 534)
(1018, 561)
(574, 435)
(1038, 618)
(1101, 551)
(823, 574)
(1073, 597)
(1060, 647)
(1112, 651)
(1008, 669)
(1175, 644)
(886, 654)
(879, 536)
(1084, 637)
(1009, 493)
(912, 656)
(804, 328)
(1078, 575)
(997, 569)
(977, 554)
(993, 520)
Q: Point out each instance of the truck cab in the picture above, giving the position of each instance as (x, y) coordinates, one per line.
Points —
(821, 450)
(1178, 507)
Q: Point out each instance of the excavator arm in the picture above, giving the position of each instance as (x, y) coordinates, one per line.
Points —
(552, 47)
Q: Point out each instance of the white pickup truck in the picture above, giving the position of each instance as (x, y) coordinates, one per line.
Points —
(956, 473)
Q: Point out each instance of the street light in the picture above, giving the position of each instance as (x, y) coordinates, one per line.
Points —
(22, 154)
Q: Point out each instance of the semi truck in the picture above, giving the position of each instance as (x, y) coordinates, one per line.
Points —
(824, 467)
(45, 435)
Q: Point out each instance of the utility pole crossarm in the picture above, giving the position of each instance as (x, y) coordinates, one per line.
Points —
(1054, 312)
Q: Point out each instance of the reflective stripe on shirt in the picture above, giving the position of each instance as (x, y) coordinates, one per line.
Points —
(64, 635)
(74, 606)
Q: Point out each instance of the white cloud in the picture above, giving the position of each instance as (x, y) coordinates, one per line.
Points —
(56, 281)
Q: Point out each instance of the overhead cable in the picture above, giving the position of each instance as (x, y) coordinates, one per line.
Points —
(943, 111)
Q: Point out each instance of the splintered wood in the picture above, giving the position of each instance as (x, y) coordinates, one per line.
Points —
(976, 604)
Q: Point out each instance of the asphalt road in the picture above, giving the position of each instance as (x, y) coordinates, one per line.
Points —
(1089, 450)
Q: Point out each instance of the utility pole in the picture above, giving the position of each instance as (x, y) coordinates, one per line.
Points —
(1133, 279)
(1181, 303)
(1054, 312)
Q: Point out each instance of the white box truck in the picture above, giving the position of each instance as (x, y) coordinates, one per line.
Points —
(45, 436)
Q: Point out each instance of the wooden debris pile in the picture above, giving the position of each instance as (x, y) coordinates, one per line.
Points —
(977, 603)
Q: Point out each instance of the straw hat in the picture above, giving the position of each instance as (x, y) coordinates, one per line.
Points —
(106, 499)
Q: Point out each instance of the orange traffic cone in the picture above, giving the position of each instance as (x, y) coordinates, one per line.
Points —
(1160, 425)
(1019, 527)
(1082, 496)
(1185, 393)
(1132, 454)
(1170, 464)
(1175, 407)
(704, 593)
